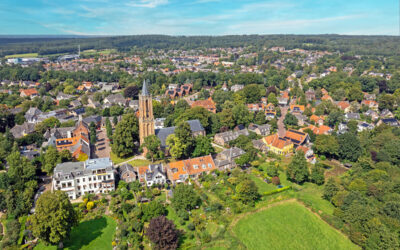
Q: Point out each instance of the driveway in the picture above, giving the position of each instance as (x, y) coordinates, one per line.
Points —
(281, 125)
(102, 148)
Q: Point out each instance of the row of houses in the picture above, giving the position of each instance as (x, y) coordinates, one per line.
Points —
(96, 176)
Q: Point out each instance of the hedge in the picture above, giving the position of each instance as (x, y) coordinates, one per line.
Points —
(277, 190)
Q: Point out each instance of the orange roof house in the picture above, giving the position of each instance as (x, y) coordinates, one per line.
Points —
(321, 130)
(191, 168)
(297, 108)
(317, 119)
(297, 137)
(28, 93)
(326, 97)
(344, 105)
(278, 145)
(77, 144)
(208, 104)
(371, 104)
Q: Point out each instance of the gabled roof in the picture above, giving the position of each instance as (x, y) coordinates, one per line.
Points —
(29, 92)
(276, 142)
(297, 137)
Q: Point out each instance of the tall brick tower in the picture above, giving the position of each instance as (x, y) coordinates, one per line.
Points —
(146, 118)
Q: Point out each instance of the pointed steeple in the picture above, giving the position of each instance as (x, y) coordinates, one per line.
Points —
(145, 92)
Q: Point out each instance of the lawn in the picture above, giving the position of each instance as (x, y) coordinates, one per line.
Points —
(23, 55)
(116, 160)
(94, 234)
(289, 225)
(262, 185)
(138, 163)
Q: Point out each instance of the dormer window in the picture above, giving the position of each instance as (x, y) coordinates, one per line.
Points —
(195, 166)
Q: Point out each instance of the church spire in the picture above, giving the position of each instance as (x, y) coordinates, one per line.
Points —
(145, 91)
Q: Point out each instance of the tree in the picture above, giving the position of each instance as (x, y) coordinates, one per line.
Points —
(247, 191)
(163, 233)
(54, 217)
(92, 129)
(51, 159)
(241, 115)
(109, 128)
(152, 210)
(297, 170)
(46, 124)
(65, 155)
(355, 94)
(334, 117)
(116, 110)
(272, 99)
(203, 146)
(131, 92)
(317, 174)
(260, 118)
(175, 147)
(290, 120)
(185, 198)
(125, 136)
(153, 146)
(196, 113)
(226, 118)
(184, 134)
(330, 189)
(350, 148)
(326, 145)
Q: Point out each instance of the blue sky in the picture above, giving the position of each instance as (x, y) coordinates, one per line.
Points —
(199, 17)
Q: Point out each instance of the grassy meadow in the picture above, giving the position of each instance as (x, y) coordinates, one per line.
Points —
(94, 234)
(289, 225)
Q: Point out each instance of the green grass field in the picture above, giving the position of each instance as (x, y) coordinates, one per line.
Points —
(262, 185)
(23, 55)
(94, 234)
(289, 226)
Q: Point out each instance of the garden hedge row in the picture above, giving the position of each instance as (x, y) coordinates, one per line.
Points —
(277, 190)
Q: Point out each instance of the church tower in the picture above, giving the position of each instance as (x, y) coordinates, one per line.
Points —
(146, 118)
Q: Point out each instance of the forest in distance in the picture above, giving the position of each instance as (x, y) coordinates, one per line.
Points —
(361, 45)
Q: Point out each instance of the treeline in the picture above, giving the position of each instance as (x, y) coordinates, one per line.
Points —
(376, 45)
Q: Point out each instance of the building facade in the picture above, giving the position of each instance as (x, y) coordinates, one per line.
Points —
(89, 177)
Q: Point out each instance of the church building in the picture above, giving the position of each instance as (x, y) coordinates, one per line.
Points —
(146, 120)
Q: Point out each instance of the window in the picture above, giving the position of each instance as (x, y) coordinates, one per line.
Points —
(90, 179)
(209, 165)
(94, 178)
(204, 166)
(195, 166)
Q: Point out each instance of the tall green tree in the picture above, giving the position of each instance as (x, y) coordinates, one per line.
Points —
(153, 146)
(54, 217)
(185, 198)
(247, 191)
(126, 135)
(51, 159)
(203, 147)
(175, 147)
(297, 169)
(350, 148)
(184, 134)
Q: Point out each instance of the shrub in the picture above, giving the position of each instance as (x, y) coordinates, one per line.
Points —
(277, 190)
(191, 227)
(90, 205)
(275, 180)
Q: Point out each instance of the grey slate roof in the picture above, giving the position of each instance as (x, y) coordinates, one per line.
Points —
(163, 133)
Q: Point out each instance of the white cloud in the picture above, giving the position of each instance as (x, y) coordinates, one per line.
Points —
(147, 3)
